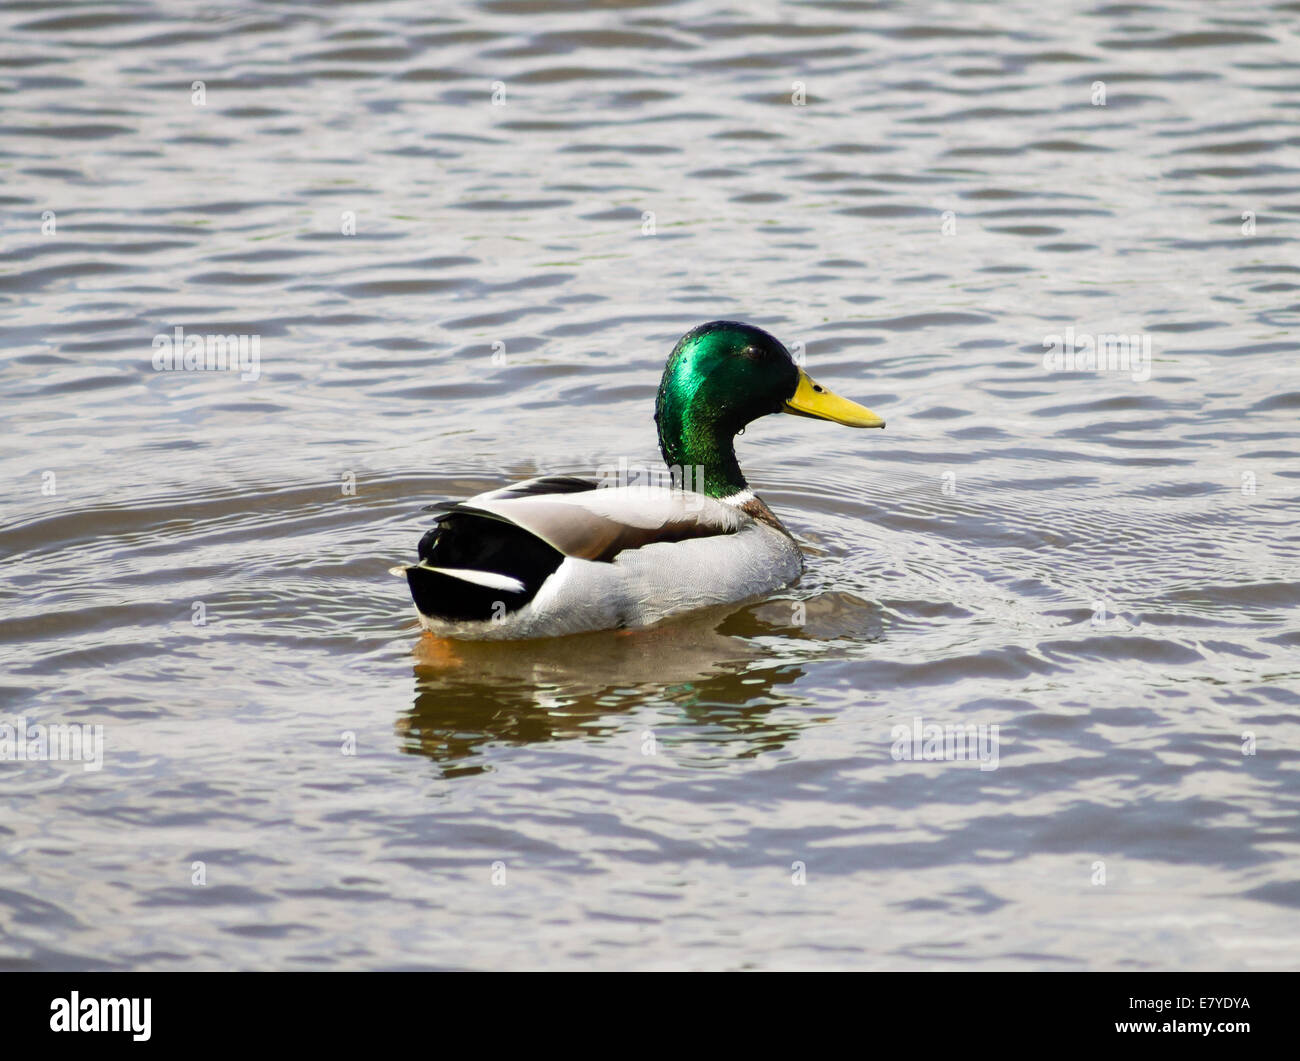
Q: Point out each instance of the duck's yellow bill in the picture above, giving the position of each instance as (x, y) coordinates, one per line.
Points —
(812, 399)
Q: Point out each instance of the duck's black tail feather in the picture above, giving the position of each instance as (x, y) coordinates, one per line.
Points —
(491, 553)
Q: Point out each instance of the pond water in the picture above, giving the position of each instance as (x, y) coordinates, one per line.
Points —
(464, 238)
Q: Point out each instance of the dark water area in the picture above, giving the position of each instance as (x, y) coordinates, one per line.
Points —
(465, 238)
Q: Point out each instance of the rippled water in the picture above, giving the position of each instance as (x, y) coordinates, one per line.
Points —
(543, 196)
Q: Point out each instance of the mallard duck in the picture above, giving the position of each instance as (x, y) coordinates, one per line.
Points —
(563, 555)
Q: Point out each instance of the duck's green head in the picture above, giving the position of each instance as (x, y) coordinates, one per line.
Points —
(720, 377)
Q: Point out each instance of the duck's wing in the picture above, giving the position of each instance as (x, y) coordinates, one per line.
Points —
(546, 484)
(601, 522)
(492, 553)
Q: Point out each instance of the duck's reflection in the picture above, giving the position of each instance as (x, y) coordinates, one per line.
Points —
(707, 670)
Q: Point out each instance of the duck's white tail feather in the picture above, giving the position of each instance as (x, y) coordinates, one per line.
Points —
(487, 579)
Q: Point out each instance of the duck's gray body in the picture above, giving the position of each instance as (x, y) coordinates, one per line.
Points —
(624, 557)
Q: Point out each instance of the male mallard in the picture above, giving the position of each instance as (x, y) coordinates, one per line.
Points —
(560, 555)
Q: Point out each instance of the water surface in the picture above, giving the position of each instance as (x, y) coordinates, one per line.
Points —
(466, 237)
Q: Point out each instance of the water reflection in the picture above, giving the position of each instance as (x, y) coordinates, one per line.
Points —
(718, 671)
